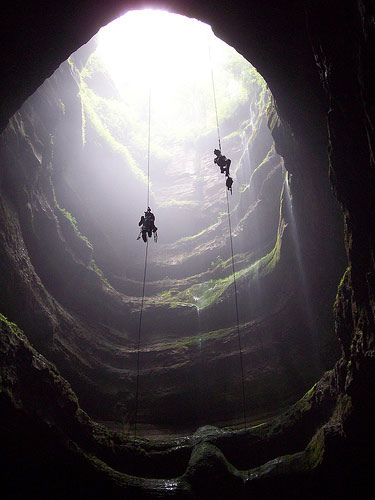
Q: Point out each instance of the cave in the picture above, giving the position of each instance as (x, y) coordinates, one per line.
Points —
(274, 404)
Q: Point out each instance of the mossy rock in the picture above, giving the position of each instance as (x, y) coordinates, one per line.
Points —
(210, 474)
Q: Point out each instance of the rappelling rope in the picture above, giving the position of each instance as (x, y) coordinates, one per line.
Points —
(237, 315)
(214, 94)
(139, 343)
(231, 247)
(144, 271)
(148, 148)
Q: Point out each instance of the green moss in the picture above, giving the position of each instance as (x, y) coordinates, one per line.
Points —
(343, 408)
(83, 128)
(219, 219)
(270, 153)
(341, 284)
(5, 320)
(74, 224)
(98, 271)
(70, 62)
(193, 237)
(62, 212)
(77, 76)
(206, 293)
(14, 328)
(268, 263)
(198, 339)
(239, 82)
(233, 135)
(109, 118)
(90, 109)
(219, 264)
(178, 203)
(119, 120)
(69, 216)
(315, 449)
(256, 170)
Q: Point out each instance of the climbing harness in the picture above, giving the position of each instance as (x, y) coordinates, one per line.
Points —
(148, 227)
(231, 247)
(155, 236)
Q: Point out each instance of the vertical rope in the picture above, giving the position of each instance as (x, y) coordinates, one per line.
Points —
(139, 342)
(148, 147)
(231, 247)
(214, 94)
(144, 271)
(237, 316)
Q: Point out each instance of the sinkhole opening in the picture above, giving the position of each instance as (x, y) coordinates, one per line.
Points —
(229, 324)
(150, 88)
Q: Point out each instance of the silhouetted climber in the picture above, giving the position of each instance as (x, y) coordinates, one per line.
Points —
(229, 183)
(148, 226)
(222, 161)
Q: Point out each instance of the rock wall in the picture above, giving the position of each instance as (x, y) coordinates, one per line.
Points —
(333, 459)
(189, 351)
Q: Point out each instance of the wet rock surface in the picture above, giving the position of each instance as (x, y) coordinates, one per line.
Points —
(189, 351)
(74, 455)
(314, 449)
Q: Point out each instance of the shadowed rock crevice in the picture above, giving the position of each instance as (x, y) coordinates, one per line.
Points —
(53, 287)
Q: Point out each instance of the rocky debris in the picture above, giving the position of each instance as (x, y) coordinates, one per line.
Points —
(56, 448)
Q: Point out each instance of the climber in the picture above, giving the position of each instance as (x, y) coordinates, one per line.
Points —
(148, 226)
(229, 183)
(222, 161)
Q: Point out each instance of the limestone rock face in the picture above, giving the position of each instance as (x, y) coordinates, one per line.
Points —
(189, 356)
(317, 75)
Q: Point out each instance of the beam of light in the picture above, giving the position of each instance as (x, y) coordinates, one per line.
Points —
(172, 56)
(169, 54)
(151, 47)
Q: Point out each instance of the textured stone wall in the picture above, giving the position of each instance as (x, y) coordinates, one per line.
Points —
(316, 70)
(189, 351)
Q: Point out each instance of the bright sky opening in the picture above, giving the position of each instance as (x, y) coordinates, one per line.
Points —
(155, 48)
